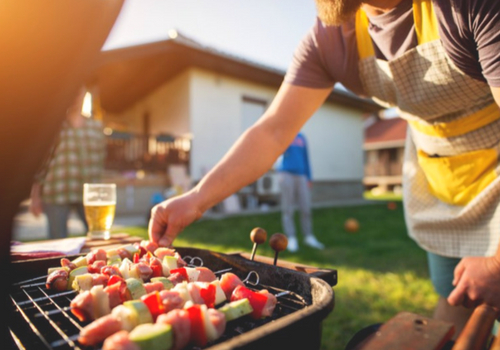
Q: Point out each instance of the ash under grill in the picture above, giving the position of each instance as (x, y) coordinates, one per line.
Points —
(41, 318)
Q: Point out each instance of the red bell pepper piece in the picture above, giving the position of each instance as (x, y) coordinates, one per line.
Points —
(157, 270)
(257, 300)
(154, 304)
(208, 295)
(137, 257)
(115, 279)
(198, 333)
(142, 251)
(124, 292)
(182, 271)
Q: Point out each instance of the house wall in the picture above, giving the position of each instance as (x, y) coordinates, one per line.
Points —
(167, 106)
(335, 136)
(209, 108)
(335, 133)
(168, 110)
(216, 115)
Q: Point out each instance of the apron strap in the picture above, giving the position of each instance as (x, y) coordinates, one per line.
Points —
(426, 24)
(363, 39)
(426, 27)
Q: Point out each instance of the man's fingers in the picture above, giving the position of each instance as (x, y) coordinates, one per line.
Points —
(165, 241)
(157, 226)
(457, 274)
(457, 296)
(171, 232)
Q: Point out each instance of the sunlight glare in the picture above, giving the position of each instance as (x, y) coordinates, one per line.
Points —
(87, 105)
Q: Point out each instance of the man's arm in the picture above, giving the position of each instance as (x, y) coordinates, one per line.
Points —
(496, 94)
(251, 156)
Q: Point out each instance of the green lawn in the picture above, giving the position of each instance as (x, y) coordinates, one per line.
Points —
(380, 270)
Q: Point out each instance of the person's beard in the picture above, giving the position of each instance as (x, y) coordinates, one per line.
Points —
(336, 12)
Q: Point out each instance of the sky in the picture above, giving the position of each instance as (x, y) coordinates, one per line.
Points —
(263, 31)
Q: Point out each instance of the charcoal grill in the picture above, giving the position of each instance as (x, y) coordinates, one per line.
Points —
(40, 320)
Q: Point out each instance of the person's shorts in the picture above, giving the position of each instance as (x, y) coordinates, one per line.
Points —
(441, 270)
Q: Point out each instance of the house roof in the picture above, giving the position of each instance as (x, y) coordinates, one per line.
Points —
(385, 133)
(126, 75)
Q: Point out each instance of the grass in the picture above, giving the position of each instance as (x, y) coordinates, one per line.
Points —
(381, 271)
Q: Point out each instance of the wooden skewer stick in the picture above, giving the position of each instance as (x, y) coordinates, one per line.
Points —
(258, 236)
(278, 243)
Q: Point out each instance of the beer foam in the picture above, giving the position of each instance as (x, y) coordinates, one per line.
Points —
(98, 203)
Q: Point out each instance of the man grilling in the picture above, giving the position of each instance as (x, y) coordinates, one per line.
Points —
(438, 61)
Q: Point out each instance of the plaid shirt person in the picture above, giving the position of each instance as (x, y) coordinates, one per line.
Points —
(77, 158)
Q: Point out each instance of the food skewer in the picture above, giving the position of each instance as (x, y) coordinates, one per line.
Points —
(196, 325)
(258, 236)
(149, 307)
(96, 263)
(278, 243)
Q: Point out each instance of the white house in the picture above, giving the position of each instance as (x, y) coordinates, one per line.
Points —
(204, 99)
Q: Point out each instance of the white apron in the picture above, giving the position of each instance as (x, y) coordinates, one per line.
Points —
(451, 186)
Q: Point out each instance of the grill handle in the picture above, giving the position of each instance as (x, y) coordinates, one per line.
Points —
(327, 275)
(477, 330)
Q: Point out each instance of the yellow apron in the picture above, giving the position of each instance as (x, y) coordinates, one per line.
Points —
(450, 183)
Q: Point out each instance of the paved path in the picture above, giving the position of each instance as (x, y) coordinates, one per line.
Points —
(29, 227)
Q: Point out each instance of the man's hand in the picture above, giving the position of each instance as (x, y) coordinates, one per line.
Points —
(476, 281)
(170, 217)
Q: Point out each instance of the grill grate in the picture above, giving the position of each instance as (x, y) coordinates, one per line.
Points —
(53, 326)
(41, 318)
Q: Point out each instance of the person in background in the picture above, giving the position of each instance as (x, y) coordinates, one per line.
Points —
(294, 172)
(438, 62)
(77, 157)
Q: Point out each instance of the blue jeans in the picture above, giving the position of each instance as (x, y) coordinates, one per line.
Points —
(441, 269)
(57, 217)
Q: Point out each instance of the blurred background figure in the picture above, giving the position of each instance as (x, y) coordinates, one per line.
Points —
(77, 157)
(295, 182)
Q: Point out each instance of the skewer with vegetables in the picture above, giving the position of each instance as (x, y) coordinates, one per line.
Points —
(153, 305)
(144, 260)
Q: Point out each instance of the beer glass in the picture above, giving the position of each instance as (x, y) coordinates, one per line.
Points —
(99, 201)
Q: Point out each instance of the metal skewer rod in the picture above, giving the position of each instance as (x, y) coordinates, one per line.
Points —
(21, 283)
(53, 312)
(223, 271)
(32, 285)
(30, 301)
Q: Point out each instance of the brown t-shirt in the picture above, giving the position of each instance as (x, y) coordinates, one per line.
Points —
(469, 31)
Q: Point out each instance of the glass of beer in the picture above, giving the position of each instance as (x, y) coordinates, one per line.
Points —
(99, 201)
